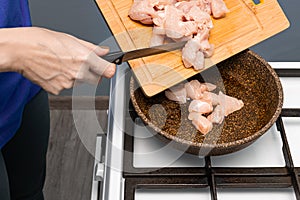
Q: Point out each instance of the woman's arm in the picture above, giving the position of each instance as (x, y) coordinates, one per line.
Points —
(51, 59)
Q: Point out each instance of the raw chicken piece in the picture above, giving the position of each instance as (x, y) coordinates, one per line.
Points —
(203, 88)
(203, 102)
(199, 61)
(185, 6)
(210, 98)
(196, 49)
(217, 116)
(209, 86)
(205, 46)
(209, 52)
(204, 24)
(230, 104)
(176, 24)
(193, 89)
(188, 28)
(191, 56)
(176, 93)
(200, 122)
(205, 5)
(202, 18)
(184, 38)
(181, 20)
(158, 30)
(166, 2)
(142, 11)
(200, 107)
(157, 38)
(159, 4)
(227, 106)
(172, 22)
(218, 8)
(159, 19)
(146, 11)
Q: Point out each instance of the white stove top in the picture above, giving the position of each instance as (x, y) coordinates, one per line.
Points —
(203, 194)
(265, 152)
(151, 152)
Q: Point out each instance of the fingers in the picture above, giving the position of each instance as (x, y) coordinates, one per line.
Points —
(101, 66)
(101, 50)
(110, 71)
(88, 76)
(58, 84)
(98, 50)
(97, 64)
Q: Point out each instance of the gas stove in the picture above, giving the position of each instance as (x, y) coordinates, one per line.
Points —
(131, 163)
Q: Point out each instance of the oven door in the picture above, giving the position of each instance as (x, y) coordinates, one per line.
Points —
(108, 166)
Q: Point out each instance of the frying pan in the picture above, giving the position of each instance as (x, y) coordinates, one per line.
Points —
(246, 76)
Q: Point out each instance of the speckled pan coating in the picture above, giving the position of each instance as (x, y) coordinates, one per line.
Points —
(245, 76)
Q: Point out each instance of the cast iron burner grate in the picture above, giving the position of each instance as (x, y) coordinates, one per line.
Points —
(209, 176)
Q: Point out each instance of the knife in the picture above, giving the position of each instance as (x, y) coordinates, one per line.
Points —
(119, 57)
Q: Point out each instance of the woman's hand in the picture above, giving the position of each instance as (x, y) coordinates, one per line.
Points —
(53, 60)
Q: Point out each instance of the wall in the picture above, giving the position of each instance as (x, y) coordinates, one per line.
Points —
(284, 46)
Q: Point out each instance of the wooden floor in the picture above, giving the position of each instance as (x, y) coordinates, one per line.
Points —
(70, 165)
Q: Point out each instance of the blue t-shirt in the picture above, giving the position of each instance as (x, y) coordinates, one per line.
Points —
(15, 90)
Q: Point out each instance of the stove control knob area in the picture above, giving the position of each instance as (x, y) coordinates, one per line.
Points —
(99, 172)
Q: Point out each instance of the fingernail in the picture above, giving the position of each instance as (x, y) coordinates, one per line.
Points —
(110, 71)
(104, 47)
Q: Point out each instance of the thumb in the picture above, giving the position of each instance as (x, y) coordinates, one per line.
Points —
(98, 50)
(101, 50)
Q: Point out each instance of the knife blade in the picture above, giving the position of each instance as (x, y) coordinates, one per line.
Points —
(119, 57)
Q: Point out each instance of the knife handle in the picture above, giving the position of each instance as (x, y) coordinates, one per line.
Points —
(114, 57)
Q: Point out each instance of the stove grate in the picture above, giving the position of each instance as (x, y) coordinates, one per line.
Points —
(209, 176)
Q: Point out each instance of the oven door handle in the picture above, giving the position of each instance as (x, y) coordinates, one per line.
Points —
(98, 174)
(99, 171)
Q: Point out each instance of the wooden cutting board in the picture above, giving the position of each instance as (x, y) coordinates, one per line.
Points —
(245, 25)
